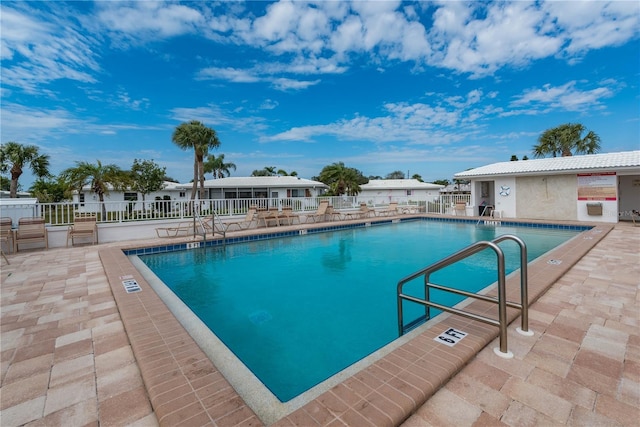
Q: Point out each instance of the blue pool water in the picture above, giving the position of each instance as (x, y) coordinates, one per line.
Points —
(297, 310)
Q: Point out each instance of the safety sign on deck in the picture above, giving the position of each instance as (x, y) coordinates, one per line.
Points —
(131, 286)
(450, 337)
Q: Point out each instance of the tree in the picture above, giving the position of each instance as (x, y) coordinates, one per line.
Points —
(417, 177)
(341, 179)
(200, 138)
(5, 183)
(217, 166)
(98, 176)
(565, 140)
(50, 190)
(395, 175)
(266, 171)
(14, 157)
(146, 177)
(444, 182)
(514, 158)
(283, 172)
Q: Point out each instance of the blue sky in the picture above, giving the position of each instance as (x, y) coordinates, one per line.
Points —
(432, 88)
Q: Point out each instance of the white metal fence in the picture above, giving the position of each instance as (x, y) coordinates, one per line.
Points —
(113, 212)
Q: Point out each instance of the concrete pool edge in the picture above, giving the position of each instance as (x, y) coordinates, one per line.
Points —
(387, 391)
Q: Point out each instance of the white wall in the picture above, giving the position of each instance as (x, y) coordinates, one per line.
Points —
(628, 195)
(505, 202)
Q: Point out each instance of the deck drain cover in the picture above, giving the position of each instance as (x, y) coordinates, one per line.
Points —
(554, 262)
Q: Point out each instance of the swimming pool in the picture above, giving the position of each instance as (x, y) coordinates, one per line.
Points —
(298, 310)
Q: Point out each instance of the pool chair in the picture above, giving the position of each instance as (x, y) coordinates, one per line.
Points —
(288, 216)
(6, 236)
(333, 214)
(246, 222)
(268, 217)
(321, 213)
(365, 211)
(30, 230)
(83, 226)
(392, 209)
(460, 209)
(180, 229)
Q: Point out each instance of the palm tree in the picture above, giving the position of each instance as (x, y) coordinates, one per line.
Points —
(564, 139)
(266, 171)
(217, 166)
(341, 179)
(283, 172)
(98, 176)
(14, 156)
(200, 138)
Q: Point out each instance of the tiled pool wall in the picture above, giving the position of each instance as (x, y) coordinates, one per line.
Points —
(313, 230)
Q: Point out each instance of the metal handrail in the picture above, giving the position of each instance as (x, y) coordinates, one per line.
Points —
(223, 230)
(482, 213)
(500, 300)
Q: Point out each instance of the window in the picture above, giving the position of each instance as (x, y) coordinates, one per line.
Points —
(260, 193)
(409, 192)
(130, 197)
(230, 195)
(81, 199)
(183, 194)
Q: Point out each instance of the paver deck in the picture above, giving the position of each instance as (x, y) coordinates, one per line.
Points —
(76, 350)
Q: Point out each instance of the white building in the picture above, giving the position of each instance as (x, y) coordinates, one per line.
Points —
(382, 191)
(594, 187)
(258, 187)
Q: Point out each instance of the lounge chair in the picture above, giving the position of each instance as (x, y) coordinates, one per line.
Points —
(460, 209)
(392, 209)
(31, 230)
(333, 214)
(180, 229)
(635, 213)
(267, 216)
(320, 213)
(6, 236)
(288, 215)
(362, 212)
(365, 211)
(246, 222)
(83, 226)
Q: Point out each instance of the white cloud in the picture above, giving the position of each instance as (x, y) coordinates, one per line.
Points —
(567, 97)
(508, 34)
(39, 47)
(405, 123)
(144, 21)
(591, 25)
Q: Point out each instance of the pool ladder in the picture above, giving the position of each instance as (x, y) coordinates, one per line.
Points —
(197, 221)
(501, 300)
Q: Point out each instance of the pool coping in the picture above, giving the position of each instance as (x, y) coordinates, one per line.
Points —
(184, 385)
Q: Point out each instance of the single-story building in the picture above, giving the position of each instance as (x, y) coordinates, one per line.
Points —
(382, 191)
(593, 187)
(258, 187)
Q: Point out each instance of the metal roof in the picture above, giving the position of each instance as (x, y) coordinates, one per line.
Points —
(571, 164)
(399, 184)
